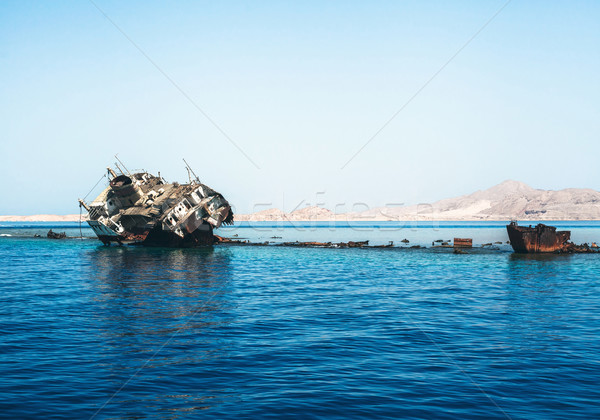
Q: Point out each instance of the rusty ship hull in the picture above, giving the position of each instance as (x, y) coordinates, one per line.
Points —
(538, 239)
(142, 208)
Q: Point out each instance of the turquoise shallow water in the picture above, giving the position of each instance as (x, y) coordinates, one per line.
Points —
(272, 332)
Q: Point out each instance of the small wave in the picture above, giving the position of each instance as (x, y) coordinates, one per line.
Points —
(5, 234)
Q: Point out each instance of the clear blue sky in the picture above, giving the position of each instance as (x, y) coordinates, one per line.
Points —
(300, 87)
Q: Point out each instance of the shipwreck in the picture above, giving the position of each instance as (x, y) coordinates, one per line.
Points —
(541, 238)
(141, 208)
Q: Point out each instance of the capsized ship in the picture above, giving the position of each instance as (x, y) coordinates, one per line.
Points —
(541, 238)
(142, 208)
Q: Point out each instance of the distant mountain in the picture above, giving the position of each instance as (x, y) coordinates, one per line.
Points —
(509, 200)
(506, 201)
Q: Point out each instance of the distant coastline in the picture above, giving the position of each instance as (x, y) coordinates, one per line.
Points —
(254, 218)
(42, 218)
(509, 200)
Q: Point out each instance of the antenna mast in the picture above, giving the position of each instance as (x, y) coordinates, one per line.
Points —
(189, 169)
(189, 175)
(119, 168)
(122, 164)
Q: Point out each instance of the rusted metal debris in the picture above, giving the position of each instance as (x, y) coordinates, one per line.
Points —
(298, 244)
(572, 248)
(223, 240)
(142, 208)
(389, 245)
(463, 243)
(350, 244)
(568, 248)
(543, 239)
(313, 244)
(56, 235)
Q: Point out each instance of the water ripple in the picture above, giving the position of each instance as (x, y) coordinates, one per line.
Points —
(246, 332)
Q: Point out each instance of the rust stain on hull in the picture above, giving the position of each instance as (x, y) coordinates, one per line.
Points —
(538, 239)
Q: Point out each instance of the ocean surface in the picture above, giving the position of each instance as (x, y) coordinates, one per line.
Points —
(230, 332)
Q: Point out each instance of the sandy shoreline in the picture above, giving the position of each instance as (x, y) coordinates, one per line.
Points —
(509, 200)
(254, 218)
(43, 218)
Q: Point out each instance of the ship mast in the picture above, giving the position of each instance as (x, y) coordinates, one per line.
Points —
(189, 169)
(122, 164)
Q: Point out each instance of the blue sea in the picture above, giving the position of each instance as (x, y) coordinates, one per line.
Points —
(231, 332)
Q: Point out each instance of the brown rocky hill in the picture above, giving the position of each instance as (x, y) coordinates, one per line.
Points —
(509, 200)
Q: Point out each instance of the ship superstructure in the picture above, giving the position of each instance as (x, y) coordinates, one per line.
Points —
(142, 208)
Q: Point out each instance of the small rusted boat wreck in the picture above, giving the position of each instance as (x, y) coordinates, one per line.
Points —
(56, 235)
(541, 238)
(142, 208)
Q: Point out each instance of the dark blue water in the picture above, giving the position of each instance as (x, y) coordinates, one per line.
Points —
(273, 332)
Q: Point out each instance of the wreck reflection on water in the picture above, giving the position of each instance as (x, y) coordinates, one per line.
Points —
(155, 316)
